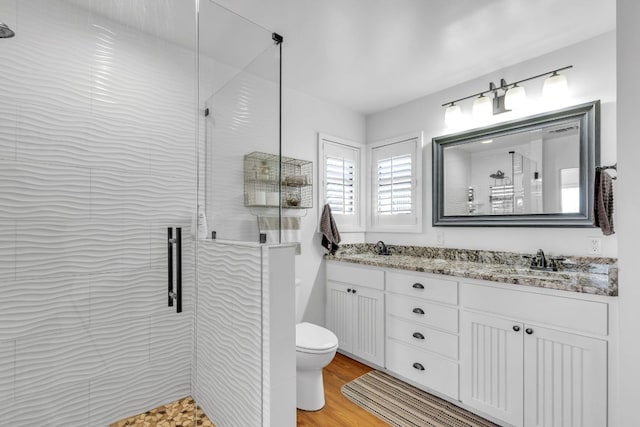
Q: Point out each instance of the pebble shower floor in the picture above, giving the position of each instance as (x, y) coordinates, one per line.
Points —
(176, 414)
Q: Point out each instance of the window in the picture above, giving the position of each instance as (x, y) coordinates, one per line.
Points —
(394, 180)
(340, 179)
(396, 202)
(570, 194)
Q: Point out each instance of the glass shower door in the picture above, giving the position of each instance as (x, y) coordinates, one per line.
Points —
(239, 185)
(97, 160)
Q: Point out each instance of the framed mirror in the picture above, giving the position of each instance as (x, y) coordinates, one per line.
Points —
(534, 171)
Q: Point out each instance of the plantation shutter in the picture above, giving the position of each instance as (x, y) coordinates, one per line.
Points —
(341, 179)
(395, 195)
(395, 185)
(340, 185)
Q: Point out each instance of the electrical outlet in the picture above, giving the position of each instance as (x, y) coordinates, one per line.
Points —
(595, 246)
(440, 238)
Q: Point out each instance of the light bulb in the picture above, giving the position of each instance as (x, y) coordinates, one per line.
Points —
(555, 87)
(515, 98)
(452, 115)
(482, 107)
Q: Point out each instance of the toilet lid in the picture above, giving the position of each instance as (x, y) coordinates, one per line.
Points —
(314, 338)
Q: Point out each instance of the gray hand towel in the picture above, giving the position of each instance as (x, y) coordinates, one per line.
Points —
(329, 230)
(603, 202)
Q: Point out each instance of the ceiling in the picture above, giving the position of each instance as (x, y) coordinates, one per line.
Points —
(371, 55)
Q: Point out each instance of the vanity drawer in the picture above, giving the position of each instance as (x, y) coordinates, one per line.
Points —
(437, 373)
(423, 286)
(423, 337)
(558, 311)
(436, 315)
(349, 273)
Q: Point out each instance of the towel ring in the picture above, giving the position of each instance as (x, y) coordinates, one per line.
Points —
(613, 166)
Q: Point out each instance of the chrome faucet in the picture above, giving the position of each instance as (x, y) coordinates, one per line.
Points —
(540, 262)
(382, 249)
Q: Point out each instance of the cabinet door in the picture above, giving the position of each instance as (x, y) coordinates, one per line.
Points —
(491, 364)
(340, 313)
(368, 325)
(565, 379)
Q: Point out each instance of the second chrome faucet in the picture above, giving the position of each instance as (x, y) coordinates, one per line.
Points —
(540, 262)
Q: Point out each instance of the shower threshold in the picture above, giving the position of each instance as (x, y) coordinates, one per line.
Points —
(176, 414)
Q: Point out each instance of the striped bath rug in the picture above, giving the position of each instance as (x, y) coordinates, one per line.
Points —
(403, 405)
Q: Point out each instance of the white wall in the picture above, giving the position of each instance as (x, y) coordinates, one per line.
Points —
(97, 149)
(591, 78)
(303, 117)
(628, 206)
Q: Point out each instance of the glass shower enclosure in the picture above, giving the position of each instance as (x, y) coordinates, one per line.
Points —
(104, 147)
(239, 146)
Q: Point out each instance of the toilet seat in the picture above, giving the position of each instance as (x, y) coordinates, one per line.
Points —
(312, 338)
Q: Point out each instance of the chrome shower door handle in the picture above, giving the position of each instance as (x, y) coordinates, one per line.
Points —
(178, 270)
(177, 243)
(170, 265)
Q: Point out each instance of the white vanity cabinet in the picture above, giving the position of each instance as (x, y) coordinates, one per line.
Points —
(355, 310)
(526, 356)
(533, 359)
(422, 330)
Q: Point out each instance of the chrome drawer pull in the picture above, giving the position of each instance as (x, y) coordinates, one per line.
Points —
(418, 286)
(418, 311)
(418, 366)
(418, 335)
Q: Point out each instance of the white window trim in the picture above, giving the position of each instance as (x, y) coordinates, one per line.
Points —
(360, 180)
(372, 223)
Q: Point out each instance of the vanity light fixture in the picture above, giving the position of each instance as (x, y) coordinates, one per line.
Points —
(555, 87)
(507, 96)
(452, 115)
(482, 107)
(515, 98)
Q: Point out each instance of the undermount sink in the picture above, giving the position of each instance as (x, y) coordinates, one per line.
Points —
(528, 273)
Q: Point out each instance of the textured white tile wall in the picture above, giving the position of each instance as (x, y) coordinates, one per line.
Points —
(97, 158)
(7, 372)
(229, 334)
(67, 405)
(246, 334)
(41, 306)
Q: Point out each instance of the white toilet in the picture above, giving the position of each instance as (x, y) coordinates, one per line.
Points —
(315, 349)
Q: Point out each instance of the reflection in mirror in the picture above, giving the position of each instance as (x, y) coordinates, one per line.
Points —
(523, 172)
(533, 171)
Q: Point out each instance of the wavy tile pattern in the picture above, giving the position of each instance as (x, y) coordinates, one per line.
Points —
(7, 371)
(268, 365)
(229, 334)
(97, 158)
(142, 388)
(67, 405)
(7, 250)
(40, 307)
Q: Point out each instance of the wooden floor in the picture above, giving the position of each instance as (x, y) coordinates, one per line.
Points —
(339, 411)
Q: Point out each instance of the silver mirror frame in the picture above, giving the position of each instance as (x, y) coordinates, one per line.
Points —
(589, 116)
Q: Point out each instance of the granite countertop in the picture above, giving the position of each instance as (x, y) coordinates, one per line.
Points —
(590, 275)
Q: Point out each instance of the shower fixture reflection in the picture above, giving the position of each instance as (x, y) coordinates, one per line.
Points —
(498, 175)
(5, 31)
